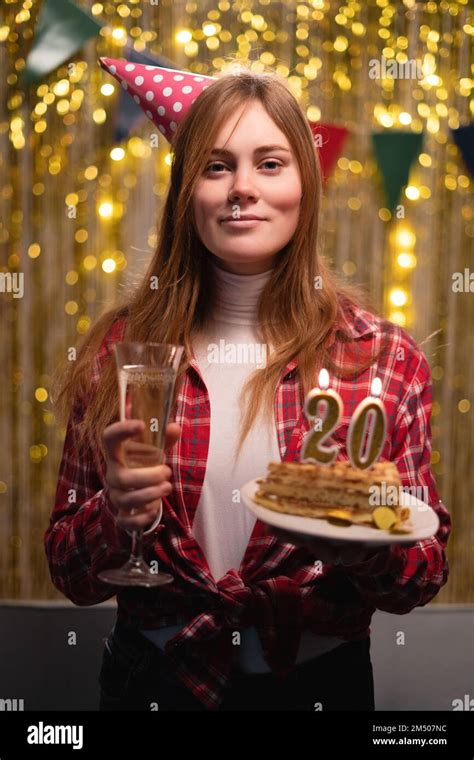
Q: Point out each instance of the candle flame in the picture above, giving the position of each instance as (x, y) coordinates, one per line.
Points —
(323, 379)
(376, 387)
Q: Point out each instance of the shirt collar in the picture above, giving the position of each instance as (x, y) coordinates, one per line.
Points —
(352, 321)
(355, 322)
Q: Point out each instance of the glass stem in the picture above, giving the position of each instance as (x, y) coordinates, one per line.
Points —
(136, 555)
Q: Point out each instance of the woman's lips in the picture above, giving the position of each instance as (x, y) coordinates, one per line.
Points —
(241, 223)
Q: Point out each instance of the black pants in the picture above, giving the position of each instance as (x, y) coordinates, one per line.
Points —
(134, 676)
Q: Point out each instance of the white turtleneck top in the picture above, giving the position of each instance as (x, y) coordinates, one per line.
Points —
(227, 353)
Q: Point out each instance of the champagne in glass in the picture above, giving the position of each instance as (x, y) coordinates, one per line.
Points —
(147, 393)
(146, 378)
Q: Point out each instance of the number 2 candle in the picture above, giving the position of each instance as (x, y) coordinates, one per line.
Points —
(313, 449)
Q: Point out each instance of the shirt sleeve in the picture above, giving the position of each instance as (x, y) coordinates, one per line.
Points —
(397, 579)
(82, 538)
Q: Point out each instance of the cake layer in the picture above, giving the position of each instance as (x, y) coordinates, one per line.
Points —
(324, 495)
(336, 474)
(303, 508)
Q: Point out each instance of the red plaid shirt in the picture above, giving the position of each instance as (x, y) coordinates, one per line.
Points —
(278, 587)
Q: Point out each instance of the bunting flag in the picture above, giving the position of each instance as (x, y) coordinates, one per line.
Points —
(329, 139)
(61, 31)
(395, 152)
(464, 139)
(129, 114)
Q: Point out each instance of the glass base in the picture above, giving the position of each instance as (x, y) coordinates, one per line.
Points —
(135, 573)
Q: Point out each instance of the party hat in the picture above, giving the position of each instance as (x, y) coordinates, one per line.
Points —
(165, 95)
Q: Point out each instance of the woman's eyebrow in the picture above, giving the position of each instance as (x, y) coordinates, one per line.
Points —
(261, 149)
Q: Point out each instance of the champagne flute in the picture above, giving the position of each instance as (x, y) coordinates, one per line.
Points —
(146, 378)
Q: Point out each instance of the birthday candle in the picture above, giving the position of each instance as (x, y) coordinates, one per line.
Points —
(369, 419)
(313, 448)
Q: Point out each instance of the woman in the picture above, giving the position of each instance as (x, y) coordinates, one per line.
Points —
(251, 621)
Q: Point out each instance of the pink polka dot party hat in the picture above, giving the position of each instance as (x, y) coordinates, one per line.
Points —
(165, 95)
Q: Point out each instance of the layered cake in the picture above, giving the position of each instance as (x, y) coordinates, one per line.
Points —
(338, 492)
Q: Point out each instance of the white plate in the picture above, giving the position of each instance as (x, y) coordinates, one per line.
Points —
(424, 519)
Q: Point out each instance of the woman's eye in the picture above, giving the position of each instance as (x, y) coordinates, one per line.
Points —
(271, 161)
(276, 165)
(214, 164)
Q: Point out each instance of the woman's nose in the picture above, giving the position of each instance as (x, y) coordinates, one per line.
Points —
(243, 187)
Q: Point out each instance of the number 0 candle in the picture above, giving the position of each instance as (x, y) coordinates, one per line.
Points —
(366, 434)
(313, 448)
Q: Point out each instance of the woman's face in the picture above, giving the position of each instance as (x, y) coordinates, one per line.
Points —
(248, 179)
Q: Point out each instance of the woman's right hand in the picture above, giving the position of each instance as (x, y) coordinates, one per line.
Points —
(135, 493)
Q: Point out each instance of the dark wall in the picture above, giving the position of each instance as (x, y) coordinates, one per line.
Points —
(433, 667)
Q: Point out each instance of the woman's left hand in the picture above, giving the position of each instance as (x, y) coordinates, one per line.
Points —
(329, 552)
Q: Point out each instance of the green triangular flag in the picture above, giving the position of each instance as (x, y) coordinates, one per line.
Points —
(395, 152)
(62, 30)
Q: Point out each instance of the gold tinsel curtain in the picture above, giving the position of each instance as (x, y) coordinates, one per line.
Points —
(79, 222)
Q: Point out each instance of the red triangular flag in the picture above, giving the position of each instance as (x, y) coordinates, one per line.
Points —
(329, 139)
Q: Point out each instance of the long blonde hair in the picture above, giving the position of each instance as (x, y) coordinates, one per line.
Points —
(293, 316)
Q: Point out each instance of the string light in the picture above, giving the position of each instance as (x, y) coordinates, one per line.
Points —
(184, 36)
(398, 317)
(406, 260)
(405, 238)
(398, 297)
(119, 34)
(117, 154)
(412, 192)
(106, 209)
